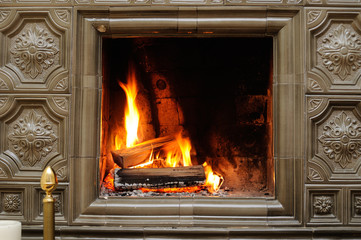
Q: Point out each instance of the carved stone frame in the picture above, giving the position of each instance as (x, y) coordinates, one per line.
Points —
(284, 209)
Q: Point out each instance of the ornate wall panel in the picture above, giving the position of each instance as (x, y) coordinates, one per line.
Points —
(35, 131)
(337, 3)
(60, 205)
(271, 2)
(325, 206)
(36, 58)
(51, 3)
(334, 139)
(62, 3)
(189, 2)
(35, 82)
(334, 44)
(14, 203)
(354, 205)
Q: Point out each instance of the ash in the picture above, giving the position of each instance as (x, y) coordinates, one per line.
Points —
(138, 193)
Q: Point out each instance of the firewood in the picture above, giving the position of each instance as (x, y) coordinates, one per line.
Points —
(139, 153)
(135, 178)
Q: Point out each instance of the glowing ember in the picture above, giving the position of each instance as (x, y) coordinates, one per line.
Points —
(172, 190)
(131, 112)
(109, 179)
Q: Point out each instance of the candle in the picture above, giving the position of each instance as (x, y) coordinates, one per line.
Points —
(10, 230)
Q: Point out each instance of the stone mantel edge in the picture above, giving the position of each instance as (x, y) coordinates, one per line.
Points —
(284, 25)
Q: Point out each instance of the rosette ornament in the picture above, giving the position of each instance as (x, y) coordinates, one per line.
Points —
(341, 139)
(34, 51)
(32, 137)
(341, 51)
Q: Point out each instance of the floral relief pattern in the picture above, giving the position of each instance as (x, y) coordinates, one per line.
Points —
(61, 102)
(358, 205)
(4, 15)
(12, 202)
(341, 51)
(34, 51)
(341, 139)
(2, 173)
(323, 205)
(32, 137)
(3, 100)
(57, 204)
(314, 85)
(313, 15)
(3, 85)
(313, 104)
(314, 175)
(64, 15)
(61, 173)
(62, 85)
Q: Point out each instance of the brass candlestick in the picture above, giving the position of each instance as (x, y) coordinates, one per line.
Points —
(48, 184)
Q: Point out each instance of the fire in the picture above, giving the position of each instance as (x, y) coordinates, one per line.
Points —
(185, 146)
(175, 153)
(131, 112)
(213, 180)
(109, 179)
(178, 153)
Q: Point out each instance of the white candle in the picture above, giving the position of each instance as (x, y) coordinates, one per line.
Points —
(10, 230)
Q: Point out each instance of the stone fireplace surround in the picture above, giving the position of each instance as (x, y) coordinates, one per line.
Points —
(316, 118)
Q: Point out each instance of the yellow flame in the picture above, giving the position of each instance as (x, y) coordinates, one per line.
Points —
(131, 111)
(170, 160)
(177, 152)
(185, 146)
(117, 142)
(213, 180)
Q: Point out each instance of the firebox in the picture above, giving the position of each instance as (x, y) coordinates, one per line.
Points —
(201, 113)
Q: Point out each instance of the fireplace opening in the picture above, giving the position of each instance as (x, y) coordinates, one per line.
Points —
(204, 109)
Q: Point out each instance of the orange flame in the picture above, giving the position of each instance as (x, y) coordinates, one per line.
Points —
(176, 153)
(185, 146)
(213, 180)
(131, 112)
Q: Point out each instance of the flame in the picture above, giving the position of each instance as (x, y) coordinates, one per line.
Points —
(131, 111)
(170, 160)
(176, 153)
(185, 146)
(213, 180)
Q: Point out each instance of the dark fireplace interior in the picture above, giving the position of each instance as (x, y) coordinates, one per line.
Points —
(216, 91)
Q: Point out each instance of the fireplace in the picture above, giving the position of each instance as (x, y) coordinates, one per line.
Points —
(286, 172)
(154, 30)
(214, 92)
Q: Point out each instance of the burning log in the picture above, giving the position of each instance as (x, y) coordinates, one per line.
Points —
(135, 178)
(139, 153)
